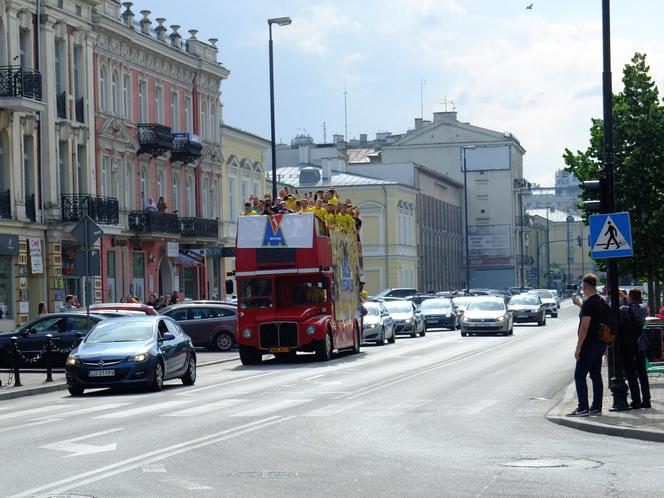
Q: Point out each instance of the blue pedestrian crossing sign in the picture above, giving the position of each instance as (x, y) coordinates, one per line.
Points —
(610, 235)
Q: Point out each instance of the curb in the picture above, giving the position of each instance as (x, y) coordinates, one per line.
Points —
(608, 430)
(61, 386)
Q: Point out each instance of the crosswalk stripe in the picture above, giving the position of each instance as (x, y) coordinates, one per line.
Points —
(271, 408)
(207, 408)
(31, 411)
(143, 409)
(93, 409)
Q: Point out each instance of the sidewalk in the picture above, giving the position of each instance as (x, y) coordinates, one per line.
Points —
(644, 424)
(34, 383)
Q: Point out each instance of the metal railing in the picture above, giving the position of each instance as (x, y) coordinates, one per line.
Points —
(104, 210)
(154, 139)
(154, 222)
(199, 227)
(187, 148)
(5, 204)
(17, 81)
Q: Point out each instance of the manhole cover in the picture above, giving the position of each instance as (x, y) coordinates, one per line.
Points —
(541, 463)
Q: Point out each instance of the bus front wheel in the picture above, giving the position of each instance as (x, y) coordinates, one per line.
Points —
(250, 356)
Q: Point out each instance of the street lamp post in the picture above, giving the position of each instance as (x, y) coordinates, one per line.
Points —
(281, 21)
(548, 253)
(568, 220)
(465, 203)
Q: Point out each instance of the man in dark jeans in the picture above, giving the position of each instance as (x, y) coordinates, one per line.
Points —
(632, 320)
(589, 350)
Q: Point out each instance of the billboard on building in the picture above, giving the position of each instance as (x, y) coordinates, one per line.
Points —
(490, 245)
(487, 158)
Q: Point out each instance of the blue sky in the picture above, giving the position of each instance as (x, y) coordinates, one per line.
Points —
(535, 73)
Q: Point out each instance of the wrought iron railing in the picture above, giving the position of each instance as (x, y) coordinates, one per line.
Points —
(187, 148)
(199, 227)
(61, 103)
(30, 208)
(5, 204)
(17, 81)
(104, 210)
(154, 139)
(80, 110)
(154, 222)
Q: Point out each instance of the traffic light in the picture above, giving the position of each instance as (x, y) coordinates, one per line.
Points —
(579, 241)
(595, 195)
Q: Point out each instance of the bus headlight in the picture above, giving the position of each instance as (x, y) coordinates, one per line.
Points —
(310, 330)
(247, 333)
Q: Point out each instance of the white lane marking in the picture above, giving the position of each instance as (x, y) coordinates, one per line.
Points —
(30, 424)
(209, 407)
(99, 408)
(153, 467)
(190, 392)
(143, 410)
(76, 449)
(31, 411)
(314, 377)
(271, 408)
(184, 484)
(127, 465)
(334, 409)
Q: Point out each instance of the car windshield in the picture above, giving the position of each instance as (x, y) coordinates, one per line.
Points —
(124, 331)
(372, 309)
(542, 293)
(462, 301)
(524, 299)
(438, 304)
(255, 293)
(555, 293)
(398, 306)
(486, 305)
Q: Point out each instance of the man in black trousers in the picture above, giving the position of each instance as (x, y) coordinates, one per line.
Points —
(632, 320)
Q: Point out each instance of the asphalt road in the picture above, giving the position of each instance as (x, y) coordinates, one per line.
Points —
(440, 415)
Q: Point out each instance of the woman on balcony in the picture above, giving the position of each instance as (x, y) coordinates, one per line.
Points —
(161, 205)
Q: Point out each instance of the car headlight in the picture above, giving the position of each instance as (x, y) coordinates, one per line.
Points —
(73, 360)
(500, 318)
(465, 318)
(140, 357)
(310, 330)
(371, 325)
(247, 333)
(407, 320)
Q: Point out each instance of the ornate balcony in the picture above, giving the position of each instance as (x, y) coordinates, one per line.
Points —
(200, 227)
(187, 148)
(80, 110)
(154, 139)
(30, 208)
(154, 222)
(5, 204)
(20, 89)
(61, 104)
(104, 210)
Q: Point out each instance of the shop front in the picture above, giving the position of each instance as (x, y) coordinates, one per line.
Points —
(191, 265)
(9, 251)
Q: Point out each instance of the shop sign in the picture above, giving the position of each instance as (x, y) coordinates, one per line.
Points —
(214, 252)
(172, 249)
(24, 307)
(191, 257)
(36, 265)
(9, 245)
(59, 295)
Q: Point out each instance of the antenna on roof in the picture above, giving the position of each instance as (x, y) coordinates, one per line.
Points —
(324, 133)
(447, 102)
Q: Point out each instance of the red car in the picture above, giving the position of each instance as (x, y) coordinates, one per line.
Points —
(135, 307)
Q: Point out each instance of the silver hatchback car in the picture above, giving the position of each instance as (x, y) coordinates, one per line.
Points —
(487, 315)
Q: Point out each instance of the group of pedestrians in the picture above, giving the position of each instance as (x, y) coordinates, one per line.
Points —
(590, 348)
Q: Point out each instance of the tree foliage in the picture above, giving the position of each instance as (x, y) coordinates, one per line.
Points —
(638, 131)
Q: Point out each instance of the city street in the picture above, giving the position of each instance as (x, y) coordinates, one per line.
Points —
(439, 415)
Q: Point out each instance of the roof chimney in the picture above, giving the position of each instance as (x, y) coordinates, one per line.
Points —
(128, 15)
(176, 38)
(439, 117)
(161, 29)
(418, 123)
(145, 22)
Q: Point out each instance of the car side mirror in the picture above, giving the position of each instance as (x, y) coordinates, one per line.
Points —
(25, 332)
(167, 337)
(364, 311)
(229, 287)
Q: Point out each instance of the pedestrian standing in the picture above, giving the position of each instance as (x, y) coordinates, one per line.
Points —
(69, 304)
(632, 321)
(42, 309)
(589, 350)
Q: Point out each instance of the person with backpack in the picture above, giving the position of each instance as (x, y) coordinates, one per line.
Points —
(589, 348)
(632, 320)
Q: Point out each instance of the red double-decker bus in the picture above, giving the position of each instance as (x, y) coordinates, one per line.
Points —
(298, 287)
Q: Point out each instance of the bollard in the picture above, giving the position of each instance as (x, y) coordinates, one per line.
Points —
(49, 358)
(17, 375)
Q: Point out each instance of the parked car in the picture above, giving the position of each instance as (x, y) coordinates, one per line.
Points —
(439, 312)
(506, 295)
(137, 307)
(527, 308)
(131, 351)
(518, 290)
(209, 324)
(548, 301)
(487, 314)
(31, 337)
(407, 317)
(397, 292)
(377, 324)
(419, 298)
(556, 297)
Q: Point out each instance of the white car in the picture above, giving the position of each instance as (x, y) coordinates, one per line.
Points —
(548, 300)
(487, 315)
(556, 297)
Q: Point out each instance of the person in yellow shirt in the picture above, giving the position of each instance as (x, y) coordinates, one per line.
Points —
(333, 197)
(291, 203)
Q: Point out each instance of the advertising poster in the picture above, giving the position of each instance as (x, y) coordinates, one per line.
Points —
(346, 266)
(36, 256)
(490, 245)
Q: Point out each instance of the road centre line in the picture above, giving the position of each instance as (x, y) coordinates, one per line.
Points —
(91, 476)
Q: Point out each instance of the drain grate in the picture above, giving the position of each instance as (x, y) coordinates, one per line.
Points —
(550, 463)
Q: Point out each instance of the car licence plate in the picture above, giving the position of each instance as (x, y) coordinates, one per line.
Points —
(279, 350)
(102, 373)
(522, 315)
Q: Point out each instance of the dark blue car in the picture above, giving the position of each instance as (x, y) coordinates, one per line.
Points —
(132, 351)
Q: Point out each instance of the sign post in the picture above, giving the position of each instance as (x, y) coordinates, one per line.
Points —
(87, 232)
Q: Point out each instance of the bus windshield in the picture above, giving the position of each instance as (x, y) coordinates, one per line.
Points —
(255, 293)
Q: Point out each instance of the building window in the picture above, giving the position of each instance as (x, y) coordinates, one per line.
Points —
(204, 131)
(159, 104)
(79, 11)
(206, 197)
(245, 191)
(145, 185)
(212, 123)
(187, 115)
(103, 92)
(160, 183)
(129, 187)
(28, 171)
(232, 208)
(4, 174)
(214, 199)
(62, 167)
(114, 92)
(176, 192)
(138, 272)
(78, 64)
(126, 96)
(257, 188)
(80, 186)
(191, 197)
(143, 101)
(6, 288)
(59, 58)
(175, 115)
(105, 179)
(24, 47)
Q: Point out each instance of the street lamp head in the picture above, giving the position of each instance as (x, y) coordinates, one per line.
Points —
(281, 21)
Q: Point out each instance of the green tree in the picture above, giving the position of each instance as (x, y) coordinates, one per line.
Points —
(639, 166)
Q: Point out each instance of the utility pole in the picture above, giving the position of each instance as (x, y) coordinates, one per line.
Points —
(345, 115)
